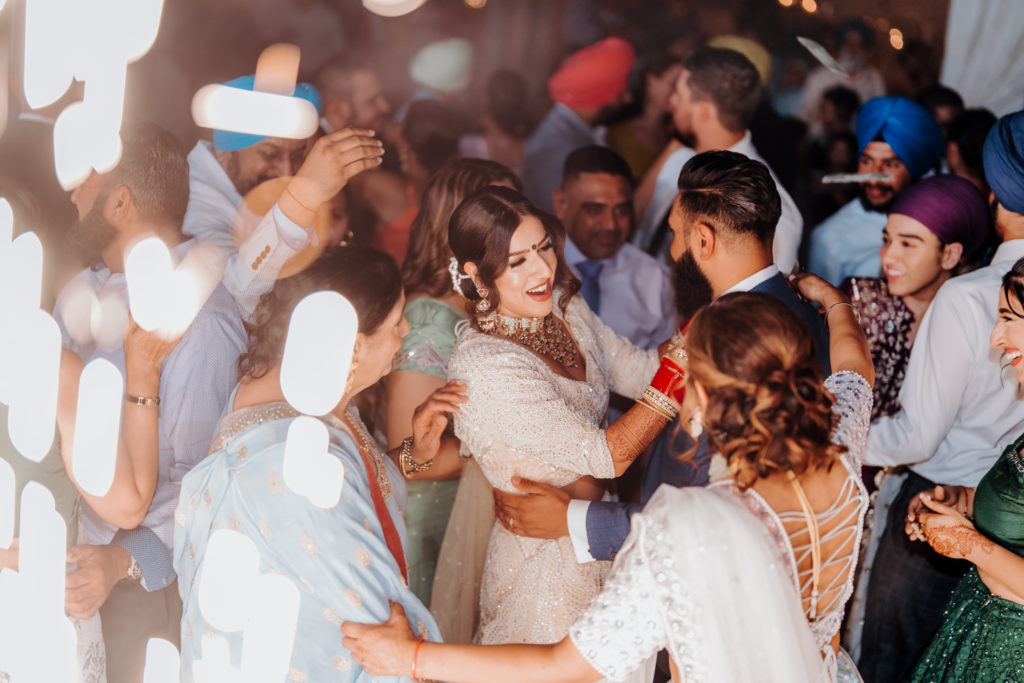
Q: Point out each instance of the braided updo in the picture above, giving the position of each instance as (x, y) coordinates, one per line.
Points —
(768, 411)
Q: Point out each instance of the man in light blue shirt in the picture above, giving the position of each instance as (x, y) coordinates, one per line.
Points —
(629, 289)
(145, 195)
(896, 136)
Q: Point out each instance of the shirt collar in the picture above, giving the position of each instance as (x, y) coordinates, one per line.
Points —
(748, 283)
(745, 146)
(573, 255)
(1009, 251)
(573, 118)
(204, 167)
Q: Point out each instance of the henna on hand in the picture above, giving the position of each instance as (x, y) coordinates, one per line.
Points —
(959, 541)
(633, 432)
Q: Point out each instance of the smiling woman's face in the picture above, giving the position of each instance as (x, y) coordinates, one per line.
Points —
(1008, 334)
(525, 287)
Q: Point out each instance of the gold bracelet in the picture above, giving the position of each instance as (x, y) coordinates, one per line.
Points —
(659, 403)
(657, 411)
(856, 315)
(406, 463)
(141, 400)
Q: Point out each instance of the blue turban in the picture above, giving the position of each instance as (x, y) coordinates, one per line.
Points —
(907, 127)
(228, 141)
(1004, 161)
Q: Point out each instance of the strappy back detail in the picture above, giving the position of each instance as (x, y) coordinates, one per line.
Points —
(837, 528)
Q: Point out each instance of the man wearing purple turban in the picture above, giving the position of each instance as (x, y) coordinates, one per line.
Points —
(896, 136)
(958, 413)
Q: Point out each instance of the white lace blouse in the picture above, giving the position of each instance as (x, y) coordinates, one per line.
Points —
(719, 587)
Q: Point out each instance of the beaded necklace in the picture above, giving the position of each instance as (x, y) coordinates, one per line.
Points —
(544, 336)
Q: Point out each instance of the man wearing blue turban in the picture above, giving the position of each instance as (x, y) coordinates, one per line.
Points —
(222, 173)
(897, 136)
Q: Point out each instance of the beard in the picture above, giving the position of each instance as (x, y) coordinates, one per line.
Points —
(876, 208)
(92, 233)
(242, 183)
(693, 291)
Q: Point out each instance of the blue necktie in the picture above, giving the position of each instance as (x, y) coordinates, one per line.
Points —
(591, 290)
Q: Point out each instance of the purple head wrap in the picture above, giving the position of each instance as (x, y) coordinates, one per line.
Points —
(950, 206)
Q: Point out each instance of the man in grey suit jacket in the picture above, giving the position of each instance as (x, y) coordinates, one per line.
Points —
(723, 221)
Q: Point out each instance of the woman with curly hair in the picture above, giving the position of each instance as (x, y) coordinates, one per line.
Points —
(745, 580)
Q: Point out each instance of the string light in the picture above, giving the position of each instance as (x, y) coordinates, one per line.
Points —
(392, 8)
(786, 3)
(809, 6)
(475, 4)
(896, 38)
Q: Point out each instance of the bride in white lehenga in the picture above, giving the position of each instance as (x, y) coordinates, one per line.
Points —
(538, 366)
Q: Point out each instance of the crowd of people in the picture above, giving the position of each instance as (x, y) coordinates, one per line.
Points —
(625, 402)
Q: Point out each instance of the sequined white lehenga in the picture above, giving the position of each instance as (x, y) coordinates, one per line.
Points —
(522, 419)
(684, 580)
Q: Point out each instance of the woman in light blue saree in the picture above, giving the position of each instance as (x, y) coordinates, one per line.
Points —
(346, 561)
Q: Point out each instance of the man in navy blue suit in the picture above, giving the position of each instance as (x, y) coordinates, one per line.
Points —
(723, 221)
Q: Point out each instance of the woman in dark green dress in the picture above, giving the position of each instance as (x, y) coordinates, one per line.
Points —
(982, 635)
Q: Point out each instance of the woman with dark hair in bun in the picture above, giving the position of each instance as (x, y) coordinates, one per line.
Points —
(346, 559)
(747, 579)
(538, 366)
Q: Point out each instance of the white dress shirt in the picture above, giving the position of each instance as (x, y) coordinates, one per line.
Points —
(250, 268)
(195, 381)
(788, 232)
(960, 408)
(637, 299)
(576, 515)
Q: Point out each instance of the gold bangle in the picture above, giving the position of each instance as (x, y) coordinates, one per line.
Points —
(140, 400)
(842, 303)
(406, 463)
(660, 401)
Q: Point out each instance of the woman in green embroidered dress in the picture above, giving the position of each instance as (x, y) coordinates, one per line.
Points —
(433, 310)
(982, 635)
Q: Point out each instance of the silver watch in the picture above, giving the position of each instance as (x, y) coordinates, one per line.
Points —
(134, 570)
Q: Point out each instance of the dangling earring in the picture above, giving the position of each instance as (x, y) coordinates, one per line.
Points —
(696, 424)
(484, 304)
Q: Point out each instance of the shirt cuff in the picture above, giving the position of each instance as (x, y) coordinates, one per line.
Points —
(290, 232)
(576, 519)
(152, 555)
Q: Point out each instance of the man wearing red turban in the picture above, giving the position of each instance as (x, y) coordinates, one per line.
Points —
(587, 89)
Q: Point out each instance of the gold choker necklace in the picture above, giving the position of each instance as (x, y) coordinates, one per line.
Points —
(544, 336)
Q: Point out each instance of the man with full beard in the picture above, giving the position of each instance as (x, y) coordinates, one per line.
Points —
(896, 136)
(723, 221)
(588, 89)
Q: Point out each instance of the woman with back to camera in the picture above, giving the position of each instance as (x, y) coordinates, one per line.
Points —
(347, 559)
(745, 580)
(980, 638)
(538, 367)
(433, 309)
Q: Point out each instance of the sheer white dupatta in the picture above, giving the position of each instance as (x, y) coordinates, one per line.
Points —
(743, 609)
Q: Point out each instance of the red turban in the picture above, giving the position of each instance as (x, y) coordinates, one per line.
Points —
(593, 76)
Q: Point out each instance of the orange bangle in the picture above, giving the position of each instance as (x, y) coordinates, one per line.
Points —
(296, 200)
(415, 653)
